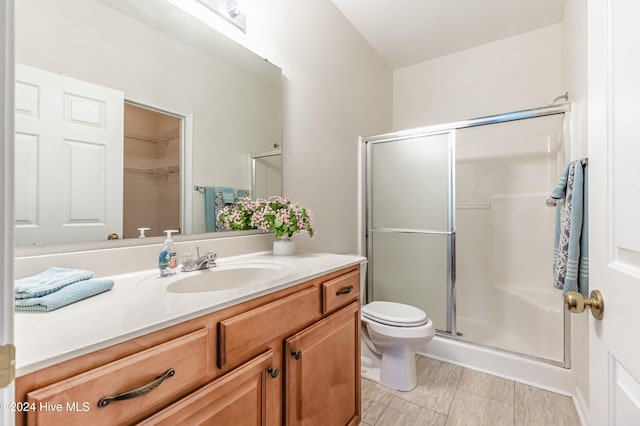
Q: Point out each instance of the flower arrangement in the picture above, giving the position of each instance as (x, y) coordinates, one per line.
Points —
(277, 215)
(237, 217)
(281, 217)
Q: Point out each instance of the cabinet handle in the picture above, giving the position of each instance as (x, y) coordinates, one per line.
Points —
(273, 371)
(137, 392)
(345, 290)
(296, 354)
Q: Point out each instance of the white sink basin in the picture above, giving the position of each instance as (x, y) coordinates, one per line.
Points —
(225, 276)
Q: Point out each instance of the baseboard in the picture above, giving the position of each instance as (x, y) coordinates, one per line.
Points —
(581, 406)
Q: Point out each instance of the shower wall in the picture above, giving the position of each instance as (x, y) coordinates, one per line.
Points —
(504, 174)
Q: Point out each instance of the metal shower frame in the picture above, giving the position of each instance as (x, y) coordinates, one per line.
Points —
(365, 228)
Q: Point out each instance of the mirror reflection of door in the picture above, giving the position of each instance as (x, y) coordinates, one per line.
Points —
(68, 150)
(266, 169)
(152, 198)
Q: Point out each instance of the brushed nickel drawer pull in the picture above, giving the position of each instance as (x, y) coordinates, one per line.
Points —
(137, 392)
(296, 354)
(345, 290)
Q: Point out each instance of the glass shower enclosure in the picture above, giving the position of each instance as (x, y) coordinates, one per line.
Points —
(411, 219)
(457, 225)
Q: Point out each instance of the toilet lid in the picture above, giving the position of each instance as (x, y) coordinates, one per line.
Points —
(392, 313)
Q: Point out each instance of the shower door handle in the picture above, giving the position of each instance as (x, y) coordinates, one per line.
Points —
(576, 303)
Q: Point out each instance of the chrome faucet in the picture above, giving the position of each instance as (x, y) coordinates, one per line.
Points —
(202, 262)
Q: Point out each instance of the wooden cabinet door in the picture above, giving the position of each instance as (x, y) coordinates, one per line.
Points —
(240, 397)
(322, 365)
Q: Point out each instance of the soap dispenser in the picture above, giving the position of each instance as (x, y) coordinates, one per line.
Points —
(168, 260)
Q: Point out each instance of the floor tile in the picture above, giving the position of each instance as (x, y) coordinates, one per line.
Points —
(451, 395)
(374, 399)
(474, 410)
(437, 382)
(404, 413)
(487, 385)
(535, 406)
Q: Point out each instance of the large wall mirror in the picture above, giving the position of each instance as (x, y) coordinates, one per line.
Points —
(127, 111)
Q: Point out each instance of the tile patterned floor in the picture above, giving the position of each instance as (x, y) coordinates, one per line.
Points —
(449, 395)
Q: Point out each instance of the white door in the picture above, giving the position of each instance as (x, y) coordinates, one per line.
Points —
(6, 211)
(614, 163)
(69, 152)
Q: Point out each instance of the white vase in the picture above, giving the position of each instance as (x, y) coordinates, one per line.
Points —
(284, 246)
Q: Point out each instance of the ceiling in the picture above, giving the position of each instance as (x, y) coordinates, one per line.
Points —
(407, 32)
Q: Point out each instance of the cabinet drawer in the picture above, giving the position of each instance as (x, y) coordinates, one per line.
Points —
(246, 335)
(102, 396)
(340, 291)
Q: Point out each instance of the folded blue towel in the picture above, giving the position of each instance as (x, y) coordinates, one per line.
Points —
(53, 279)
(228, 195)
(243, 193)
(65, 296)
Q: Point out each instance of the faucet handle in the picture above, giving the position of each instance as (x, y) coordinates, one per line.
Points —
(211, 257)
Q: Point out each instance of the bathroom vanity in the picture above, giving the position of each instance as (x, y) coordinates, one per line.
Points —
(281, 352)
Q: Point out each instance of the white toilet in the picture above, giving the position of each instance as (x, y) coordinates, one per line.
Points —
(390, 334)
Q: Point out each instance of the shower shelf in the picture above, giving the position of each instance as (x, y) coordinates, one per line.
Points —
(158, 171)
(473, 206)
(165, 137)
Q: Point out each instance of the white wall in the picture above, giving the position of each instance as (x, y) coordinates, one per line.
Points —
(574, 72)
(574, 80)
(515, 73)
(336, 88)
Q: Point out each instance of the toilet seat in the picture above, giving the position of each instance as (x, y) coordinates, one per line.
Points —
(394, 314)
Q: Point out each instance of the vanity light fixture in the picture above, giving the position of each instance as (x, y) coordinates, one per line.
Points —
(233, 9)
(215, 13)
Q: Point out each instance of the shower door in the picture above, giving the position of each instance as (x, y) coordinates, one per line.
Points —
(457, 225)
(410, 226)
(504, 175)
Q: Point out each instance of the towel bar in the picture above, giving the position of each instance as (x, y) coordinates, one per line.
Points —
(551, 202)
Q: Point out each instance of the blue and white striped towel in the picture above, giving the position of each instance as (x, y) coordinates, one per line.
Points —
(571, 245)
(49, 281)
(65, 296)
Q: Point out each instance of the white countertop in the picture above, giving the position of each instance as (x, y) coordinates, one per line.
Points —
(138, 305)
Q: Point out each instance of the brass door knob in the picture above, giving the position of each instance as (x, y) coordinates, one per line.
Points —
(576, 303)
